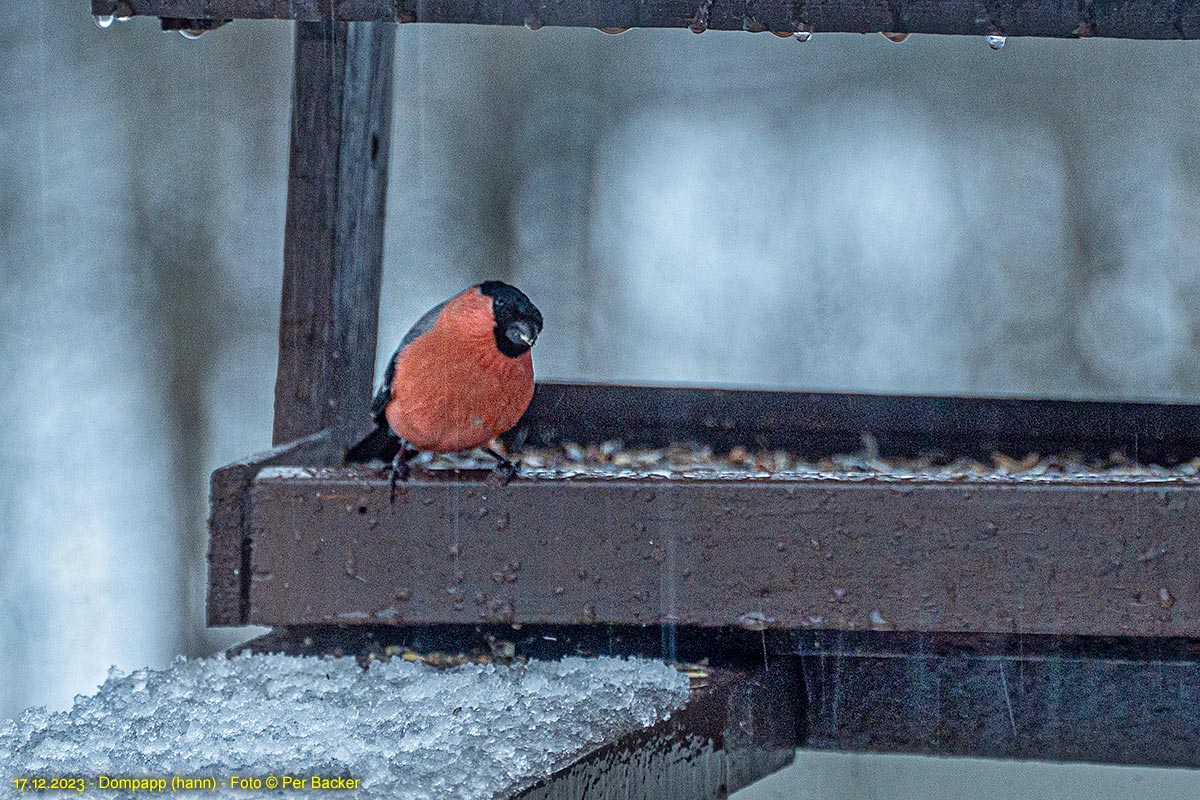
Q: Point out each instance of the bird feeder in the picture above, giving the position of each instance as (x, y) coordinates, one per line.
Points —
(1048, 617)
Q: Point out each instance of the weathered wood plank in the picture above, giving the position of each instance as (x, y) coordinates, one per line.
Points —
(1115, 558)
(1119, 517)
(1108, 710)
(1149, 19)
(333, 249)
(228, 525)
(816, 424)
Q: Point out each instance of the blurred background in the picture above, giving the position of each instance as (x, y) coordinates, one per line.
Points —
(845, 213)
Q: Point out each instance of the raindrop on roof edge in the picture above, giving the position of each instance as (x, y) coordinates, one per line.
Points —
(191, 33)
(995, 40)
(104, 20)
(533, 22)
(895, 37)
(803, 36)
(612, 31)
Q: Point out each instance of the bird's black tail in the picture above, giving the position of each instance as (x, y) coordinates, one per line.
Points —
(380, 443)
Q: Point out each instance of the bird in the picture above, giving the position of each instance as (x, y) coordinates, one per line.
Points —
(462, 375)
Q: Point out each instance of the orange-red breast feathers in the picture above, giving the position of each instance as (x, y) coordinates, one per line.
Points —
(452, 388)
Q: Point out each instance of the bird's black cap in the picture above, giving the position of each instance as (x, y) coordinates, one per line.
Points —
(518, 321)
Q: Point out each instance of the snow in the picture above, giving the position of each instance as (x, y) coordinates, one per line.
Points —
(403, 729)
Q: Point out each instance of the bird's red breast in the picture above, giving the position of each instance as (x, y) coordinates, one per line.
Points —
(452, 389)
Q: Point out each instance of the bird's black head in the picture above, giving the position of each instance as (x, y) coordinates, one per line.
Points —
(518, 322)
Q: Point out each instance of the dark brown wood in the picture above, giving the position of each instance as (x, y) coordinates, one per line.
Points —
(1148, 19)
(228, 546)
(1113, 558)
(1108, 557)
(817, 424)
(1098, 709)
(333, 249)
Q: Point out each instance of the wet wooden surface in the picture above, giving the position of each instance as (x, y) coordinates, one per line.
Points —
(1149, 19)
(328, 545)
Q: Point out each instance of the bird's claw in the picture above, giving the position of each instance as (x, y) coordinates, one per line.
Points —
(398, 472)
(504, 472)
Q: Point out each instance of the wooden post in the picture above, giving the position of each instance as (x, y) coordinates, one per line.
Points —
(333, 247)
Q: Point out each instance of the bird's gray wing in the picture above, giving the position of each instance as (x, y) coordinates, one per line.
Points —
(384, 394)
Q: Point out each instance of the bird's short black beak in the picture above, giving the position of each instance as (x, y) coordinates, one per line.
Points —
(521, 332)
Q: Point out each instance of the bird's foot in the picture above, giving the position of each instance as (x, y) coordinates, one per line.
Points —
(504, 472)
(397, 473)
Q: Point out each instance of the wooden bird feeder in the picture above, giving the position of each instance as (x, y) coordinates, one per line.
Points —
(1048, 619)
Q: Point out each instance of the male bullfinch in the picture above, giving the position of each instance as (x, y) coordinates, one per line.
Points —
(461, 376)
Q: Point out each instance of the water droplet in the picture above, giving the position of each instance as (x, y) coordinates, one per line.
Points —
(995, 40)
(125, 18)
(698, 25)
(895, 37)
(104, 20)
(755, 621)
(803, 36)
(191, 33)
(781, 35)
(612, 31)
(879, 622)
(533, 22)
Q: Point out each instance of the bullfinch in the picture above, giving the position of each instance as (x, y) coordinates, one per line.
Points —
(461, 376)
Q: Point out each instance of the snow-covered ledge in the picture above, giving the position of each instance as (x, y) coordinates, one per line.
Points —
(393, 729)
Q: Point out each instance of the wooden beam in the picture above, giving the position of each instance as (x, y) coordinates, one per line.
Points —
(1108, 558)
(1103, 554)
(1147, 19)
(333, 249)
(229, 524)
(817, 424)
(1100, 707)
